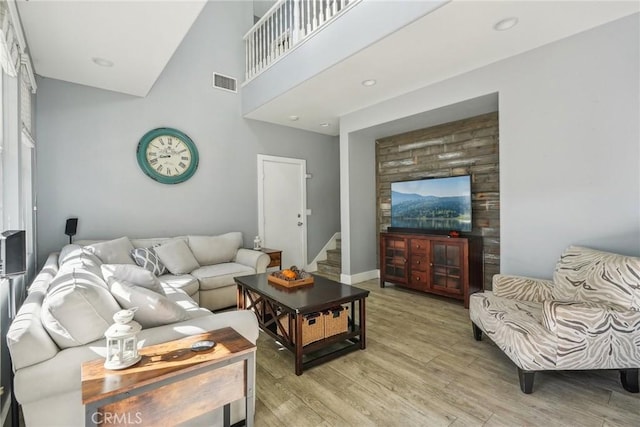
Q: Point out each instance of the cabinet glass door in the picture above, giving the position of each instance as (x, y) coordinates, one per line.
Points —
(446, 268)
(395, 258)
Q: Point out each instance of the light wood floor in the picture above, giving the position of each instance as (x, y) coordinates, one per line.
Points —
(422, 367)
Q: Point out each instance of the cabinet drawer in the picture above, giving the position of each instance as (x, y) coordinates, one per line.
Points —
(419, 246)
(419, 279)
(419, 263)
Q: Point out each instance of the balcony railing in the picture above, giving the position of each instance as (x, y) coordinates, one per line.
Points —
(286, 25)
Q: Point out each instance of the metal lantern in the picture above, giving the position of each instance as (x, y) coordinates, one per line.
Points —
(122, 341)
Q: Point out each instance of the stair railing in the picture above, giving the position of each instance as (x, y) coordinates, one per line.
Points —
(287, 24)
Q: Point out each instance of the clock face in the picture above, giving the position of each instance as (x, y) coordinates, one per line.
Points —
(167, 155)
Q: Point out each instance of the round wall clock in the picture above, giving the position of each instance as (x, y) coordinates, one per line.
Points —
(167, 155)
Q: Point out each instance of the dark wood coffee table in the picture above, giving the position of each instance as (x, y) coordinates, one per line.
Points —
(274, 305)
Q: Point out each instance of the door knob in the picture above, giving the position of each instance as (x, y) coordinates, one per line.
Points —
(299, 223)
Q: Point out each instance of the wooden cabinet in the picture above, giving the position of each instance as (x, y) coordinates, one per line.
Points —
(394, 256)
(449, 266)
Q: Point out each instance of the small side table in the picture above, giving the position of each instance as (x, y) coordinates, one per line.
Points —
(172, 384)
(276, 257)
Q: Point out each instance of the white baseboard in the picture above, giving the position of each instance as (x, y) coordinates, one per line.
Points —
(322, 255)
(351, 279)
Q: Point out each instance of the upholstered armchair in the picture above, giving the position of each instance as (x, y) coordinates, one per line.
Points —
(587, 317)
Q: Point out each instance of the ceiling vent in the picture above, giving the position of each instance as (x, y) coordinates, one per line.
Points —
(225, 82)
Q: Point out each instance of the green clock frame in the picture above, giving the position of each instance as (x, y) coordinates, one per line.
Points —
(150, 171)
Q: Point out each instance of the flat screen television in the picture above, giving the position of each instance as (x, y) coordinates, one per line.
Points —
(432, 204)
(13, 253)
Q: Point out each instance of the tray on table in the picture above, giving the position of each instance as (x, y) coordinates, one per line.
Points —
(307, 280)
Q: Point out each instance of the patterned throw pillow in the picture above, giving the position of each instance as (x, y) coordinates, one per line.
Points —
(147, 259)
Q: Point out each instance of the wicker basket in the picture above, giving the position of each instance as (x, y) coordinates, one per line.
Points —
(312, 328)
(336, 321)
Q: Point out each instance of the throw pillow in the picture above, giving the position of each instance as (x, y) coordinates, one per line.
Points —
(78, 308)
(133, 274)
(147, 259)
(115, 251)
(209, 250)
(177, 257)
(153, 309)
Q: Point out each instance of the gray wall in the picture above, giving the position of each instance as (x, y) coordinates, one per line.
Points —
(569, 143)
(362, 201)
(260, 7)
(87, 141)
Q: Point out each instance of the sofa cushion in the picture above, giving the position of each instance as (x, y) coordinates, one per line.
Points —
(186, 282)
(78, 308)
(210, 250)
(153, 309)
(69, 251)
(181, 298)
(589, 275)
(80, 259)
(147, 258)
(77, 254)
(132, 274)
(220, 275)
(517, 329)
(154, 241)
(177, 257)
(27, 339)
(117, 251)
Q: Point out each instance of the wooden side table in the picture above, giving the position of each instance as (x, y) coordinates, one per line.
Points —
(276, 257)
(172, 384)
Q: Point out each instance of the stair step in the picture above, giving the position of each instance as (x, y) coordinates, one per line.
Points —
(334, 255)
(330, 276)
(338, 243)
(330, 263)
(329, 267)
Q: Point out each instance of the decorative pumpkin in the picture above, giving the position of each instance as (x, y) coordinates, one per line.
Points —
(289, 274)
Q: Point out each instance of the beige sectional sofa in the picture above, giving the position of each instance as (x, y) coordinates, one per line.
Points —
(207, 276)
(72, 300)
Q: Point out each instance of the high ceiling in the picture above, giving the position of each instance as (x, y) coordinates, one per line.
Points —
(453, 39)
(66, 38)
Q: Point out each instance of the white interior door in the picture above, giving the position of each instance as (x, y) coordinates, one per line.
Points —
(282, 201)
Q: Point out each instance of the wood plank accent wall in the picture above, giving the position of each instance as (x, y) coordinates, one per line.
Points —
(468, 146)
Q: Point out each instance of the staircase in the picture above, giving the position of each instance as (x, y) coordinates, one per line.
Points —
(332, 266)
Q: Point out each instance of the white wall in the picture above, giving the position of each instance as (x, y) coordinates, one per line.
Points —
(569, 143)
(87, 141)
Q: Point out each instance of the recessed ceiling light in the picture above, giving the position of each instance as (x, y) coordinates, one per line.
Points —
(505, 24)
(294, 118)
(102, 62)
(369, 82)
(324, 125)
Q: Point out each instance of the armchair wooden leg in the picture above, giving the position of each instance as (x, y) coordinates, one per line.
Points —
(629, 380)
(477, 332)
(526, 380)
